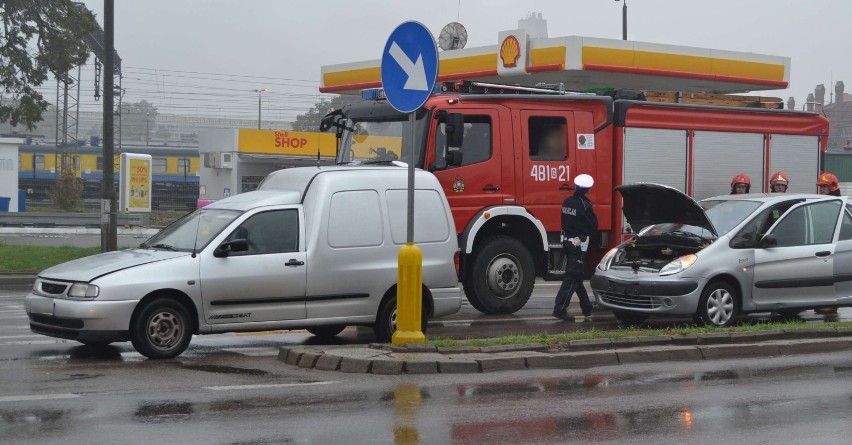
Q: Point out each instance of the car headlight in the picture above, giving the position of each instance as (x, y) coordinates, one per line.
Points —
(606, 261)
(83, 290)
(37, 285)
(678, 265)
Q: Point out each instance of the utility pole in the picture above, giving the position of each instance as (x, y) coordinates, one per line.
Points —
(259, 93)
(623, 19)
(109, 218)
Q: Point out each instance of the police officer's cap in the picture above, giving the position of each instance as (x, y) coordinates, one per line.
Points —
(584, 181)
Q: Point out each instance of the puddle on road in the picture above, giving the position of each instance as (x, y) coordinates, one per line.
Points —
(164, 412)
(32, 415)
(223, 369)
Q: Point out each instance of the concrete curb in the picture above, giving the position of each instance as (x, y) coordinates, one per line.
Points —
(17, 281)
(383, 359)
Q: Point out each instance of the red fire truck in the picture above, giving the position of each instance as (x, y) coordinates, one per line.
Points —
(507, 155)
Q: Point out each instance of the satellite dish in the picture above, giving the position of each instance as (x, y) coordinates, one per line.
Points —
(453, 36)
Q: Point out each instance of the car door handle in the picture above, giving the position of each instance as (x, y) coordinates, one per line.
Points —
(294, 263)
(490, 188)
(823, 254)
(566, 187)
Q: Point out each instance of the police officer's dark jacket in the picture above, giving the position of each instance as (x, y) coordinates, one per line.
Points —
(578, 218)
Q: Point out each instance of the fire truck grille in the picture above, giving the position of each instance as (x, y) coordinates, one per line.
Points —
(636, 301)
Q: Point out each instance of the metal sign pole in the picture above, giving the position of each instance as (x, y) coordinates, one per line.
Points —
(411, 149)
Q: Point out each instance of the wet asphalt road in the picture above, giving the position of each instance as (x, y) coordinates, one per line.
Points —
(231, 389)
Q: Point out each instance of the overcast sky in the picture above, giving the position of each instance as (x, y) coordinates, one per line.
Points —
(292, 39)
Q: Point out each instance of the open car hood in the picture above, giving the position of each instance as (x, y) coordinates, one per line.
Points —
(646, 204)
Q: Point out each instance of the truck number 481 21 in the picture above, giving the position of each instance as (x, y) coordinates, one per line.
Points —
(549, 173)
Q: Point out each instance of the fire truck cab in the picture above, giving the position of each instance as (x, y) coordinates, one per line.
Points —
(506, 157)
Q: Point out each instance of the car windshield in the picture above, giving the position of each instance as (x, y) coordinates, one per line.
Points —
(193, 231)
(376, 135)
(725, 215)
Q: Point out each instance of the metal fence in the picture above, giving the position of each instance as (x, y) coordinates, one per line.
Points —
(165, 195)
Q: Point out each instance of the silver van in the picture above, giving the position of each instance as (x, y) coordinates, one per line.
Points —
(313, 248)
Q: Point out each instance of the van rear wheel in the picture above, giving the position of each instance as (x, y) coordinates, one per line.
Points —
(326, 331)
(501, 277)
(386, 320)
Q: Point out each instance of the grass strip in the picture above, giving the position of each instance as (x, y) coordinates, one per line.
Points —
(554, 339)
(37, 258)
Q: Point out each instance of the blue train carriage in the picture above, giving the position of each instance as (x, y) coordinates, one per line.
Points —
(175, 173)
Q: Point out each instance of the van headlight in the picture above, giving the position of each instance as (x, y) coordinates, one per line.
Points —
(679, 265)
(606, 261)
(83, 290)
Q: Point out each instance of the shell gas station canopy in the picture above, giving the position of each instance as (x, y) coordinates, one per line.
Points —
(582, 63)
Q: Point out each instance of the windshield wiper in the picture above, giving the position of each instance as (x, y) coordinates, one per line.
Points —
(165, 247)
(689, 234)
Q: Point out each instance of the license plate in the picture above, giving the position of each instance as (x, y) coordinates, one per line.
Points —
(43, 306)
(617, 288)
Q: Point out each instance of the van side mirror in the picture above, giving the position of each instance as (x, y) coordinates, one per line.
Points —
(455, 129)
(225, 249)
(769, 241)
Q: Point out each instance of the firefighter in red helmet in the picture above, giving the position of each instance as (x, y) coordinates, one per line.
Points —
(827, 184)
(779, 182)
(741, 184)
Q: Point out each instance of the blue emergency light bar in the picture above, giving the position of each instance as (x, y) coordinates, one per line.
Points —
(379, 93)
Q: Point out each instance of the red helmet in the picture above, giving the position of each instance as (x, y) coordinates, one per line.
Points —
(741, 178)
(830, 180)
(779, 178)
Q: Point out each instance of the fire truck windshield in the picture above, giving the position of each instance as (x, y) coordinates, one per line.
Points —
(371, 133)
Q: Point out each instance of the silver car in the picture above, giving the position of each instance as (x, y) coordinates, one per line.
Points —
(727, 255)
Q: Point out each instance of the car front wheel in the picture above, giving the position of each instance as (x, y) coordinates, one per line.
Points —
(719, 304)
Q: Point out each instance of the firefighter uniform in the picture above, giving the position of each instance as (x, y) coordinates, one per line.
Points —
(578, 224)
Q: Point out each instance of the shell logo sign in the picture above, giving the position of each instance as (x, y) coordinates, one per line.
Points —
(510, 51)
(512, 55)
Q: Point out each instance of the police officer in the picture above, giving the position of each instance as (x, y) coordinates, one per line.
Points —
(578, 223)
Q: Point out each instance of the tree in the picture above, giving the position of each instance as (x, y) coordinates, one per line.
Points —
(54, 31)
(310, 120)
(137, 118)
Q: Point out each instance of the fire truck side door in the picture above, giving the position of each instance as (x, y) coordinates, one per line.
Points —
(548, 161)
(477, 182)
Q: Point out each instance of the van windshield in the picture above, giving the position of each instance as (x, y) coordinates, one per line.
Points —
(192, 232)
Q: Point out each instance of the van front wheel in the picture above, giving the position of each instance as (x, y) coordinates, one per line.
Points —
(326, 331)
(161, 329)
(501, 277)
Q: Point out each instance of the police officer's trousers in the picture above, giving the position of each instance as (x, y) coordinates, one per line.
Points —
(573, 281)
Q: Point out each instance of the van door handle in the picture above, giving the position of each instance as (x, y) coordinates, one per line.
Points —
(823, 254)
(566, 187)
(490, 188)
(294, 263)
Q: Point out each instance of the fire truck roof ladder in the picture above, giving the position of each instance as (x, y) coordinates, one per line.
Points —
(465, 86)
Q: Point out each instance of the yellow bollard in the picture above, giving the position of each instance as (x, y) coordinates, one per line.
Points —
(409, 296)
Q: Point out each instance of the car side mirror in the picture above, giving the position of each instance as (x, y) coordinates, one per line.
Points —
(454, 158)
(225, 249)
(769, 241)
(455, 129)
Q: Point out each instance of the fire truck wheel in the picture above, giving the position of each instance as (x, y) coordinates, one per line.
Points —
(502, 276)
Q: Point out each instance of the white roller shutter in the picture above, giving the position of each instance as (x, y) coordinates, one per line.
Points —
(654, 155)
(798, 157)
(719, 156)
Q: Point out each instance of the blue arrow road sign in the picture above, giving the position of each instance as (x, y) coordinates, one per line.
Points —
(409, 66)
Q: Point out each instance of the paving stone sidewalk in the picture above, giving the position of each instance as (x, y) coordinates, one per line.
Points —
(577, 354)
